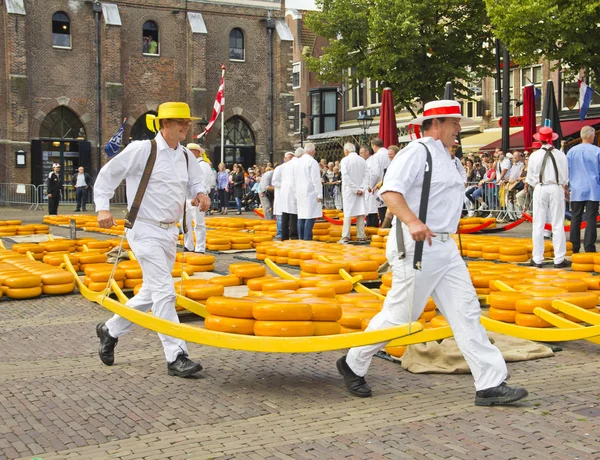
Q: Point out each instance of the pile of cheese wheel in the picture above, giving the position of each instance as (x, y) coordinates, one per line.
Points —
(15, 228)
(363, 260)
(23, 278)
(534, 288)
(586, 262)
(502, 249)
(266, 227)
(87, 222)
(379, 240)
(469, 223)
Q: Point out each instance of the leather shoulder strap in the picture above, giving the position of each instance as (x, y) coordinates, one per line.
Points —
(423, 206)
(139, 195)
(546, 156)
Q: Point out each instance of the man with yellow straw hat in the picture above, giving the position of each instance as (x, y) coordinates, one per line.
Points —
(164, 173)
(192, 211)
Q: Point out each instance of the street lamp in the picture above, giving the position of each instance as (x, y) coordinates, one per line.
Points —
(303, 129)
(364, 121)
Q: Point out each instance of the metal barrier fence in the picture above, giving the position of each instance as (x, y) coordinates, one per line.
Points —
(503, 202)
(332, 195)
(21, 194)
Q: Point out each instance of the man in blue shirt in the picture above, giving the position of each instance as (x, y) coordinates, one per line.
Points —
(584, 177)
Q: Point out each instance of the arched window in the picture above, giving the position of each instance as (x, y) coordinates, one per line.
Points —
(139, 130)
(61, 30)
(61, 123)
(236, 45)
(150, 38)
(237, 132)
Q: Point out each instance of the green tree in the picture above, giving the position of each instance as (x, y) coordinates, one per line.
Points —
(558, 30)
(412, 46)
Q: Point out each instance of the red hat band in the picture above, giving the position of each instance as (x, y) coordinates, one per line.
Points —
(441, 111)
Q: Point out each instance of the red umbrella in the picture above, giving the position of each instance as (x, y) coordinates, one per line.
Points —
(528, 116)
(388, 131)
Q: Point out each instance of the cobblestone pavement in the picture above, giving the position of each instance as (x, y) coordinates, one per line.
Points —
(57, 401)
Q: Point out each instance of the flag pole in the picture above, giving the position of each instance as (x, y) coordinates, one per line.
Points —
(223, 117)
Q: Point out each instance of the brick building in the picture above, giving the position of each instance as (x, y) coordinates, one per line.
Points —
(151, 52)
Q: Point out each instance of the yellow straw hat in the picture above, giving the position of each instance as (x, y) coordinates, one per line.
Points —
(193, 146)
(169, 110)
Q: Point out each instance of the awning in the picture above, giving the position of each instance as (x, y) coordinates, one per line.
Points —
(354, 132)
(477, 141)
(574, 126)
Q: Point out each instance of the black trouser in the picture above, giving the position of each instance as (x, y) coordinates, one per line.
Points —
(81, 197)
(223, 198)
(382, 212)
(589, 239)
(373, 220)
(53, 204)
(289, 226)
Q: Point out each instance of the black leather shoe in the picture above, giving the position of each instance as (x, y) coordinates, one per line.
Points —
(356, 385)
(533, 264)
(106, 351)
(500, 395)
(564, 264)
(183, 366)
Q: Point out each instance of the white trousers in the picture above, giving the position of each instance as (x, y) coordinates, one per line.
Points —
(155, 250)
(360, 226)
(444, 277)
(549, 200)
(192, 212)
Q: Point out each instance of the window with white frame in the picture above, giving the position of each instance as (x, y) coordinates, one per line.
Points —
(61, 30)
(498, 105)
(374, 92)
(533, 75)
(323, 111)
(570, 92)
(297, 119)
(473, 108)
(356, 98)
(296, 75)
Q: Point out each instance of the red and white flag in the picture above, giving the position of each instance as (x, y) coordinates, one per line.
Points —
(217, 108)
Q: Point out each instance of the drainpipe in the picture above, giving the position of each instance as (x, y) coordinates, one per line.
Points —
(97, 13)
(270, 24)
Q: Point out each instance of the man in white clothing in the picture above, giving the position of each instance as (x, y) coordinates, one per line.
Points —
(276, 182)
(309, 192)
(153, 237)
(371, 187)
(548, 172)
(381, 161)
(265, 193)
(441, 273)
(192, 212)
(354, 170)
(289, 206)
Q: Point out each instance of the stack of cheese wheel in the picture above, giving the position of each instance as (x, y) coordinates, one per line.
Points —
(90, 258)
(35, 249)
(357, 310)
(96, 276)
(133, 273)
(198, 289)
(199, 262)
(502, 305)
(230, 314)
(22, 285)
(386, 283)
(179, 267)
(282, 318)
(321, 231)
(583, 262)
(217, 243)
(247, 270)
(55, 281)
(368, 269)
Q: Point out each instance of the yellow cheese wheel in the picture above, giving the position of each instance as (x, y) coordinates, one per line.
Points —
(513, 258)
(366, 276)
(386, 279)
(241, 246)
(57, 277)
(332, 268)
(579, 267)
(326, 327)
(570, 285)
(58, 289)
(513, 249)
(98, 267)
(356, 298)
(505, 300)
(279, 285)
(218, 247)
(230, 307)
(24, 293)
(581, 299)
(365, 323)
(527, 305)
(131, 283)
(227, 280)
(137, 289)
(281, 311)
(284, 328)
(586, 258)
(92, 258)
(525, 319)
(23, 281)
(255, 284)
(574, 276)
(231, 325)
(340, 286)
(353, 318)
(325, 311)
(474, 254)
(202, 292)
(593, 282)
(384, 289)
(430, 305)
(318, 291)
(198, 259)
(250, 271)
(364, 266)
(233, 267)
(177, 269)
(102, 276)
(427, 316)
(396, 352)
(133, 273)
(438, 321)
(310, 266)
(126, 264)
(309, 282)
(507, 316)
(483, 281)
(349, 330)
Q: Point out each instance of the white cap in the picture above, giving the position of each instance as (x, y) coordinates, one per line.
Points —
(299, 152)
(509, 156)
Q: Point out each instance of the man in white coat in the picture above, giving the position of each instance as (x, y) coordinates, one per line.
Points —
(354, 170)
(154, 235)
(370, 185)
(548, 172)
(276, 182)
(289, 206)
(192, 212)
(309, 192)
(441, 272)
(381, 162)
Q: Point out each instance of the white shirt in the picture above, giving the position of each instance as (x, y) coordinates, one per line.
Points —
(549, 177)
(504, 164)
(168, 186)
(405, 176)
(80, 180)
(460, 168)
(207, 173)
(288, 191)
(515, 170)
(354, 170)
(308, 187)
(276, 183)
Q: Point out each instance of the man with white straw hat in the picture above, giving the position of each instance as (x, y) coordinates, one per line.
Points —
(160, 174)
(424, 190)
(192, 212)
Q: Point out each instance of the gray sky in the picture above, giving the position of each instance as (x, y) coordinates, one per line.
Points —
(301, 4)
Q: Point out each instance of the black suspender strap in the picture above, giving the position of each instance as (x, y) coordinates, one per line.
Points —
(548, 155)
(187, 168)
(139, 195)
(423, 207)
